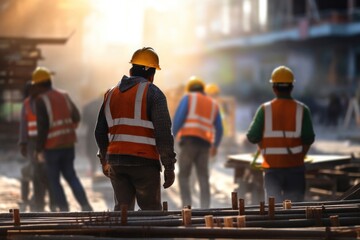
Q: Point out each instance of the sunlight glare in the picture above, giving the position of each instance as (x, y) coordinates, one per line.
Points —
(263, 12)
(118, 21)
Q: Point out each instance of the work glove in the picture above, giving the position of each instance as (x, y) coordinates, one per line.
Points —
(106, 169)
(169, 177)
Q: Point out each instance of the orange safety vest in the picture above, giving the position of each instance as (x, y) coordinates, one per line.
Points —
(61, 126)
(199, 122)
(30, 118)
(130, 130)
(281, 145)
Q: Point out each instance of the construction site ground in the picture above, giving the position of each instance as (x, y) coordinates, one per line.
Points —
(99, 191)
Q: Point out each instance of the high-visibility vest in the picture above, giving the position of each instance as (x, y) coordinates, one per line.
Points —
(130, 130)
(199, 122)
(30, 118)
(61, 126)
(281, 145)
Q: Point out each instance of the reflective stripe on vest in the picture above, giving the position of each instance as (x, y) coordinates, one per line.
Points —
(136, 121)
(282, 148)
(61, 127)
(30, 118)
(268, 132)
(130, 132)
(200, 125)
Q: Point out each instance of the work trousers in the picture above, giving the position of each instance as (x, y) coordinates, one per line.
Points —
(136, 182)
(40, 186)
(194, 153)
(61, 161)
(285, 184)
(38, 178)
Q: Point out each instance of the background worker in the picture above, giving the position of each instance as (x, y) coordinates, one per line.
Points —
(198, 125)
(57, 119)
(133, 133)
(283, 130)
(90, 113)
(212, 90)
(33, 171)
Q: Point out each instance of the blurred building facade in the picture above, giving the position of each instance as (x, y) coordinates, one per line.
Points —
(26, 27)
(237, 44)
(234, 43)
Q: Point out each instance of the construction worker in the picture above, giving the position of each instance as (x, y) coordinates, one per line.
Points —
(133, 133)
(212, 90)
(33, 172)
(57, 118)
(283, 130)
(198, 126)
(90, 112)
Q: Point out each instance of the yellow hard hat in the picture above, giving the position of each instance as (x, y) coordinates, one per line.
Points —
(146, 57)
(194, 82)
(282, 74)
(39, 75)
(212, 89)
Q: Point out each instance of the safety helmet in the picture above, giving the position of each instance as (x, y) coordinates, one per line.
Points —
(40, 75)
(193, 83)
(146, 57)
(282, 74)
(212, 89)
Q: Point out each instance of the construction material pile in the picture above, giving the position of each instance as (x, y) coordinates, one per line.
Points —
(301, 220)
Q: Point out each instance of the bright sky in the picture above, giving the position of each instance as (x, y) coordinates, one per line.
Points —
(120, 21)
(115, 20)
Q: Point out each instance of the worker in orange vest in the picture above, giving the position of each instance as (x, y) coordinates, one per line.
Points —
(133, 133)
(34, 171)
(57, 119)
(284, 132)
(198, 126)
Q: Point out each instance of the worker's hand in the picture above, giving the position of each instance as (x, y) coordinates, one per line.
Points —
(169, 177)
(213, 151)
(106, 169)
(23, 150)
(40, 158)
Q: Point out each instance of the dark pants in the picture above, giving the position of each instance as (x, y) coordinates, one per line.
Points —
(40, 185)
(61, 161)
(26, 177)
(38, 178)
(136, 182)
(285, 184)
(197, 154)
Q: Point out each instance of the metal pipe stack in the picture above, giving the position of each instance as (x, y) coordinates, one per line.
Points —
(289, 220)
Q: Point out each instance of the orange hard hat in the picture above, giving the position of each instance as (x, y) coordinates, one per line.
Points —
(212, 89)
(146, 57)
(194, 82)
(282, 74)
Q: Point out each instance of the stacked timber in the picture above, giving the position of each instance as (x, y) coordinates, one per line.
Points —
(289, 220)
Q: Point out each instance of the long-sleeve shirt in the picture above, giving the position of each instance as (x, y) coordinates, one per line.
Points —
(181, 114)
(158, 114)
(42, 121)
(255, 131)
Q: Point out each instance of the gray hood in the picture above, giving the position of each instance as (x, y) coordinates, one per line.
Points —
(128, 82)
